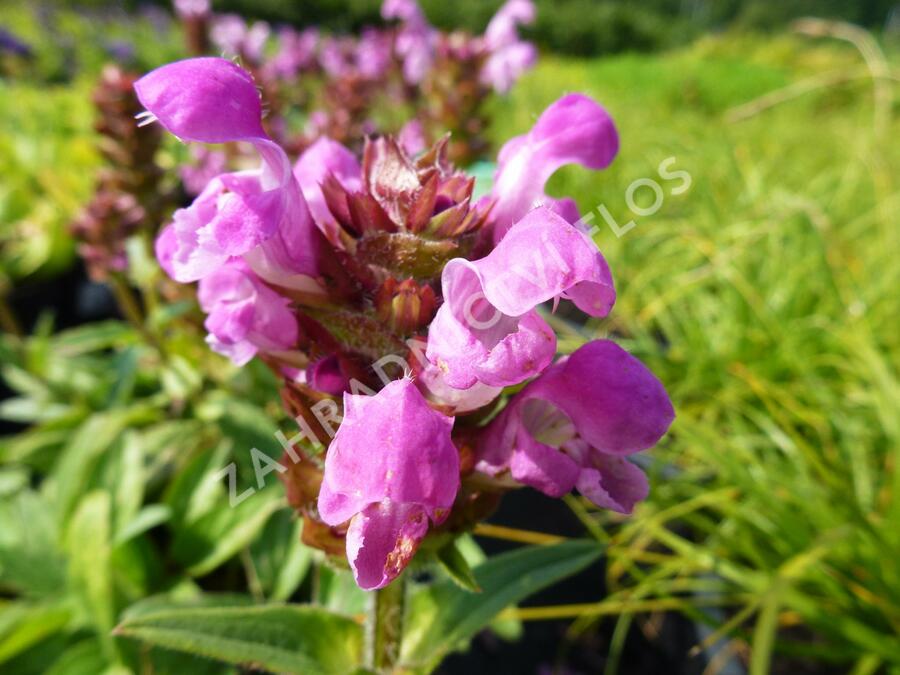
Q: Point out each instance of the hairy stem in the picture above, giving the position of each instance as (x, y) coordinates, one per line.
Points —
(385, 625)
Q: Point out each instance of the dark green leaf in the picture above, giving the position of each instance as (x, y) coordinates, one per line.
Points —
(456, 566)
(442, 617)
(24, 625)
(207, 543)
(281, 638)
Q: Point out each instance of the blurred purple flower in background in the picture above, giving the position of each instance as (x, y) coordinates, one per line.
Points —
(234, 37)
(296, 52)
(186, 9)
(207, 165)
(11, 44)
(415, 38)
(509, 56)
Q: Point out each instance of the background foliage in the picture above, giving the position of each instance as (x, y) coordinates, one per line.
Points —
(764, 297)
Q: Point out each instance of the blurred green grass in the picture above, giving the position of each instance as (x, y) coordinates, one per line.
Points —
(765, 298)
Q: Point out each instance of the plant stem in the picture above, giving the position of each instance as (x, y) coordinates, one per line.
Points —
(131, 310)
(8, 320)
(517, 535)
(385, 625)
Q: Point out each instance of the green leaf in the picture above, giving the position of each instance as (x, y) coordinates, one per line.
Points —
(76, 467)
(211, 540)
(457, 567)
(23, 446)
(30, 559)
(30, 411)
(281, 638)
(197, 487)
(441, 617)
(146, 519)
(180, 378)
(126, 479)
(280, 558)
(93, 337)
(13, 479)
(22, 626)
(508, 628)
(88, 543)
(185, 595)
(337, 590)
(84, 658)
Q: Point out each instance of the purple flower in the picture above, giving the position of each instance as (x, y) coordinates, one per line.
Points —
(488, 330)
(326, 375)
(231, 34)
(505, 66)
(13, 45)
(573, 426)
(258, 215)
(502, 30)
(373, 53)
(574, 129)
(192, 9)
(296, 52)
(244, 316)
(433, 384)
(322, 159)
(415, 40)
(509, 56)
(334, 56)
(390, 468)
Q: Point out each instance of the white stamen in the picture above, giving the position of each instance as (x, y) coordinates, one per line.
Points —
(145, 118)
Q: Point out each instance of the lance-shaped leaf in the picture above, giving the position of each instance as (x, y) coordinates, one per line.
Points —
(443, 616)
(279, 638)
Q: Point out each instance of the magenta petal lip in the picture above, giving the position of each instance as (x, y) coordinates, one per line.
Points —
(205, 99)
(487, 330)
(573, 130)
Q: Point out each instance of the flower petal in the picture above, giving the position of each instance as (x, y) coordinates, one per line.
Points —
(244, 315)
(322, 158)
(575, 129)
(618, 406)
(382, 539)
(613, 483)
(502, 29)
(542, 467)
(541, 258)
(433, 385)
(585, 411)
(506, 65)
(165, 247)
(206, 99)
(487, 330)
(389, 446)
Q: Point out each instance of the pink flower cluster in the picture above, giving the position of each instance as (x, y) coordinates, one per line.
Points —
(357, 256)
(507, 56)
